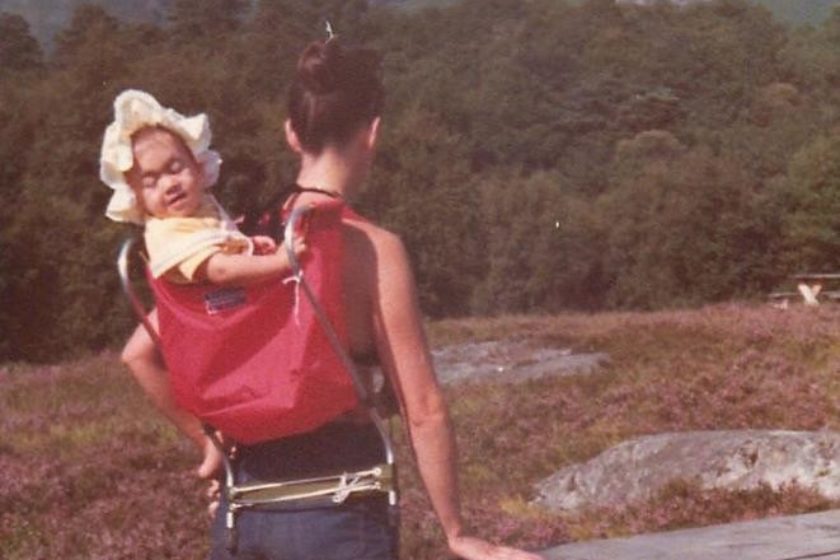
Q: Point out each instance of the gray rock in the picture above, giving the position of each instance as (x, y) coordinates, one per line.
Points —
(510, 361)
(794, 537)
(637, 469)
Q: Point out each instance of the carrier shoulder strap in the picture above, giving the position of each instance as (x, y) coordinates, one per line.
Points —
(273, 227)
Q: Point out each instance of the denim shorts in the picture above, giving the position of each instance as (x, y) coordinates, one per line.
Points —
(362, 528)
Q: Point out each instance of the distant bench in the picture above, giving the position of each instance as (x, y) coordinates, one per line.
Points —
(810, 286)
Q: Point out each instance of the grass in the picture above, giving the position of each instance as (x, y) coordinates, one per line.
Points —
(90, 471)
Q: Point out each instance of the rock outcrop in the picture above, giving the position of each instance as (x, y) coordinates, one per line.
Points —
(638, 468)
(510, 361)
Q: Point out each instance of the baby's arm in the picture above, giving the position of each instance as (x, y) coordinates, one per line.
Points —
(224, 268)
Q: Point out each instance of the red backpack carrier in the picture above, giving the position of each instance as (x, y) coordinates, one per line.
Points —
(253, 361)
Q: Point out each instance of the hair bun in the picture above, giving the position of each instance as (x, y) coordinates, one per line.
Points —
(317, 67)
(336, 89)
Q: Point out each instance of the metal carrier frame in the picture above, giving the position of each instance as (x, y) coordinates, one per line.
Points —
(337, 488)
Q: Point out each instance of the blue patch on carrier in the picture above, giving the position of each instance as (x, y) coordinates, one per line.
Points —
(224, 299)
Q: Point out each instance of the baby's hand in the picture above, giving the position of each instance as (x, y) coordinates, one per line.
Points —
(299, 245)
(263, 245)
(211, 463)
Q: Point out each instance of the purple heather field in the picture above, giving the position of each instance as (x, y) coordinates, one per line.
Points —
(88, 469)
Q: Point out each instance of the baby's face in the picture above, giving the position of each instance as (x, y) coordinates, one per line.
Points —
(165, 177)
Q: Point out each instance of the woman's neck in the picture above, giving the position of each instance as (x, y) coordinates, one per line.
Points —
(328, 171)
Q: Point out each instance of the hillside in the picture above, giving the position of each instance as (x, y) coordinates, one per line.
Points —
(799, 12)
(79, 440)
(794, 12)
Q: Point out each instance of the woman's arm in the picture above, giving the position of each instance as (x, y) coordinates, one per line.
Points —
(146, 364)
(404, 352)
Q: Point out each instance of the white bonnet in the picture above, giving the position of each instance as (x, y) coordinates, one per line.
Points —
(134, 110)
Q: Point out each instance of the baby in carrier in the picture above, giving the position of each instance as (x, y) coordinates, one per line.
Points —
(160, 167)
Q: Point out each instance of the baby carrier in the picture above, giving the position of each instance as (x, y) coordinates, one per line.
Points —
(267, 361)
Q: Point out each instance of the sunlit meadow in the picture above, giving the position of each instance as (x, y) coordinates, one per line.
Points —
(88, 469)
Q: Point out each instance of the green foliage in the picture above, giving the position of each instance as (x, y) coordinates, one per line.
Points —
(542, 248)
(423, 190)
(18, 48)
(813, 193)
(535, 155)
(205, 19)
(682, 231)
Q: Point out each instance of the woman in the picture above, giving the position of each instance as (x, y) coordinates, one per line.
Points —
(334, 117)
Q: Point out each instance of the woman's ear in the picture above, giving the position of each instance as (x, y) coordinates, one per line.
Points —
(292, 137)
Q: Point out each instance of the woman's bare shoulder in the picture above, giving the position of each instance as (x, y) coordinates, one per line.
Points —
(368, 239)
(377, 276)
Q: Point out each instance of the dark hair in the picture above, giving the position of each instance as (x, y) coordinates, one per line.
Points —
(336, 90)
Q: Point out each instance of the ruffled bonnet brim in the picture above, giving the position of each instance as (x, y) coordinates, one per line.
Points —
(134, 110)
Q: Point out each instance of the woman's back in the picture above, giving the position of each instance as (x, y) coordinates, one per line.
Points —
(371, 256)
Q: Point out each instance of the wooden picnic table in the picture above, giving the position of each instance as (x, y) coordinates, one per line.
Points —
(811, 286)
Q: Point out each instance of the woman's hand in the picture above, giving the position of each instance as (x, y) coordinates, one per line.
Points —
(471, 548)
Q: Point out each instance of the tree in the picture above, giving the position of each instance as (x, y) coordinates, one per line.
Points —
(684, 228)
(205, 20)
(19, 50)
(812, 191)
(421, 189)
(543, 247)
(89, 26)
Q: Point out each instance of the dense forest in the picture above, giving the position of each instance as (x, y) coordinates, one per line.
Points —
(47, 17)
(537, 155)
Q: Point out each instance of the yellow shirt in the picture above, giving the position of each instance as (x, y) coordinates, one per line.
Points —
(178, 246)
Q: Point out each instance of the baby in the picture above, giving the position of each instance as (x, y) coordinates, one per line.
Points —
(161, 168)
